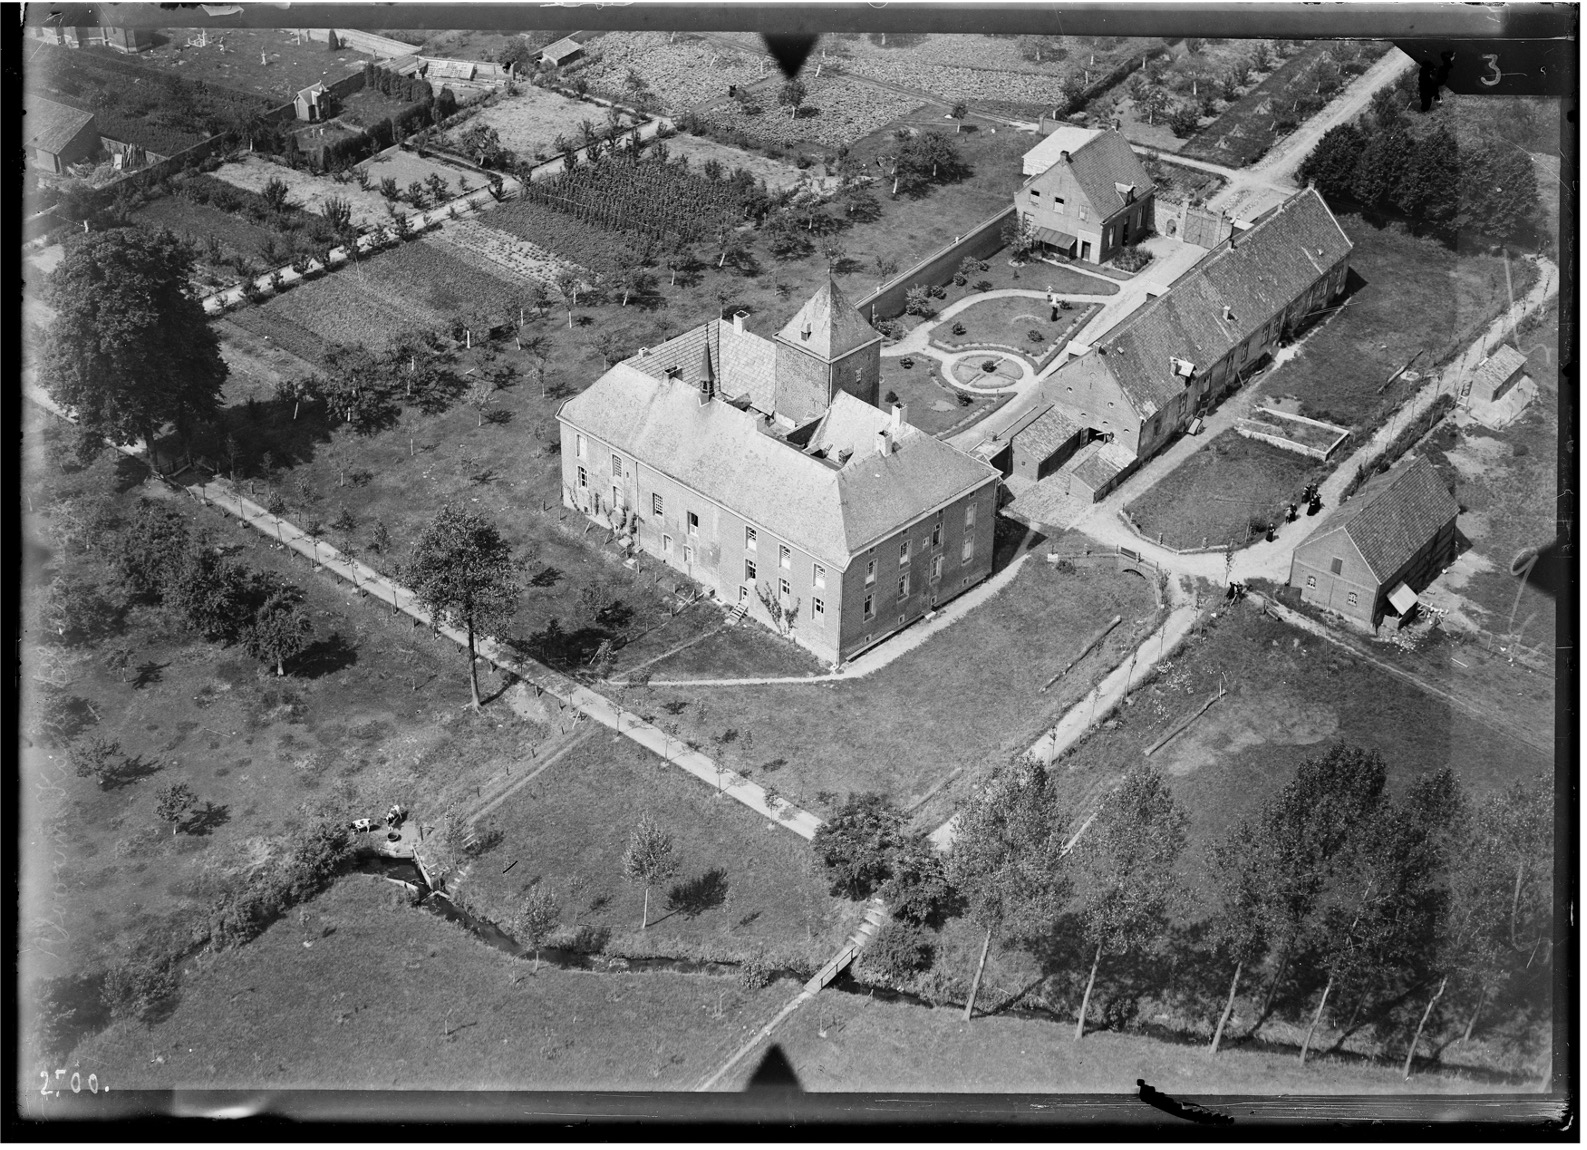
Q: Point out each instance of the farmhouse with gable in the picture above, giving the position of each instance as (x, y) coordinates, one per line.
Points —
(1087, 196)
(763, 469)
(1373, 554)
(1135, 388)
(55, 136)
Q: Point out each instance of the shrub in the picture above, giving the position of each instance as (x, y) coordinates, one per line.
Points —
(989, 365)
(1520, 450)
(918, 301)
(754, 973)
(958, 328)
(138, 982)
(857, 844)
(960, 279)
(983, 285)
(918, 891)
(905, 362)
(937, 291)
(1133, 258)
(1035, 335)
(900, 950)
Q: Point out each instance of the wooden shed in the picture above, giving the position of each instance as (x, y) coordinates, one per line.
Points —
(55, 136)
(563, 51)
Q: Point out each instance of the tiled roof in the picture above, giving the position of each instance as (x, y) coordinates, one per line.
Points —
(1048, 432)
(835, 326)
(739, 362)
(1393, 517)
(726, 455)
(48, 126)
(1065, 138)
(1105, 161)
(1101, 467)
(1255, 274)
(561, 48)
(1497, 368)
(314, 89)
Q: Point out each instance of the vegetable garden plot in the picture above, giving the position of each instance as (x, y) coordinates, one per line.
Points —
(649, 195)
(562, 234)
(681, 72)
(777, 175)
(306, 189)
(280, 331)
(528, 122)
(406, 167)
(497, 251)
(201, 222)
(339, 308)
(837, 110)
(428, 275)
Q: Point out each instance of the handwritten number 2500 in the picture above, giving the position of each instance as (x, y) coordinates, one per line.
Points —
(76, 1083)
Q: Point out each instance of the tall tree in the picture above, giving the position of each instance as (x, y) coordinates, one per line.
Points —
(537, 920)
(173, 804)
(280, 629)
(1381, 167)
(1292, 857)
(463, 572)
(651, 857)
(792, 96)
(856, 845)
(1125, 864)
(130, 349)
(1331, 165)
(1429, 190)
(1007, 859)
(1498, 188)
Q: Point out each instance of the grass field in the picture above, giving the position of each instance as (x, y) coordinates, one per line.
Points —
(730, 652)
(777, 174)
(529, 122)
(837, 111)
(368, 993)
(1007, 322)
(968, 696)
(405, 167)
(744, 887)
(1409, 296)
(307, 190)
(1215, 494)
(875, 1046)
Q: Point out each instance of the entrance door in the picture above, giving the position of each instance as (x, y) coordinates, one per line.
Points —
(1085, 249)
(743, 593)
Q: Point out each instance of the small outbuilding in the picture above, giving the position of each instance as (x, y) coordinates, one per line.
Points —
(563, 51)
(1497, 374)
(55, 136)
(312, 104)
(1374, 554)
(1045, 443)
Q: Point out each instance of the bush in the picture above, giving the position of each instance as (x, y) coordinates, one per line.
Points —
(905, 362)
(1035, 335)
(1132, 258)
(899, 950)
(958, 328)
(138, 982)
(755, 973)
(856, 846)
(918, 891)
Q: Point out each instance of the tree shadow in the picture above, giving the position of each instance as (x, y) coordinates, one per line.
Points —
(547, 576)
(499, 416)
(134, 769)
(324, 657)
(148, 674)
(207, 818)
(698, 895)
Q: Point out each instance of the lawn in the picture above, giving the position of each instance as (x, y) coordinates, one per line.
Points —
(682, 70)
(1219, 492)
(528, 122)
(371, 711)
(967, 697)
(307, 190)
(1291, 693)
(367, 107)
(1007, 321)
(201, 222)
(352, 306)
(777, 174)
(367, 993)
(232, 59)
(1408, 297)
(838, 110)
(258, 361)
(934, 407)
(406, 167)
(744, 887)
(727, 653)
(871, 1045)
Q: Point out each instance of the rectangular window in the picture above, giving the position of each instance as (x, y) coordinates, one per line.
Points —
(655, 505)
(1058, 204)
(903, 551)
(694, 524)
(1352, 598)
(1034, 194)
(666, 545)
(870, 572)
(903, 586)
(969, 517)
(936, 568)
(1311, 580)
(749, 539)
(783, 589)
(818, 576)
(969, 548)
(1083, 213)
(785, 557)
(617, 465)
(578, 446)
(870, 606)
(584, 477)
(817, 607)
(936, 531)
(749, 570)
(688, 553)
(1336, 566)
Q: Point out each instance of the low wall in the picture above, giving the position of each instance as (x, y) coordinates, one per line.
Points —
(981, 241)
(381, 46)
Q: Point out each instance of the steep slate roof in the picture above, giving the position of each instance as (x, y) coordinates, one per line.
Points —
(1100, 167)
(835, 326)
(1393, 517)
(1254, 274)
(739, 362)
(726, 455)
(48, 126)
(1497, 368)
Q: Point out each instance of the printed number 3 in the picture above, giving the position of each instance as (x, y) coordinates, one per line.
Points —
(1494, 75)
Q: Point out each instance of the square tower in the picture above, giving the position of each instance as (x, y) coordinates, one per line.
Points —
(827, 347)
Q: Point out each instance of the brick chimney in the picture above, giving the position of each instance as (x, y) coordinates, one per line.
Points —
(738, 320)
(900, 417)
(882, 446)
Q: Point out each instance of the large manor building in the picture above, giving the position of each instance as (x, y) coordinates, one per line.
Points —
(765, 470)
